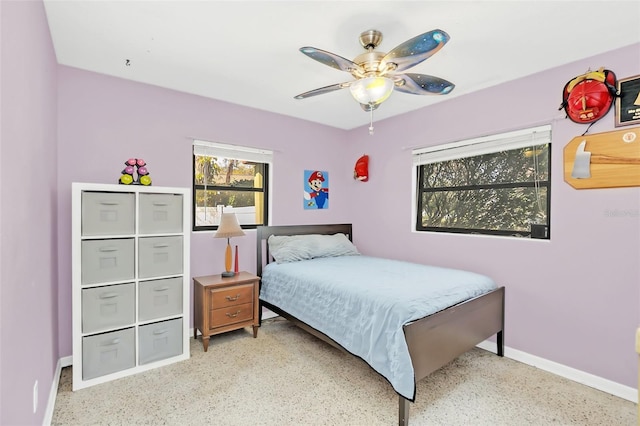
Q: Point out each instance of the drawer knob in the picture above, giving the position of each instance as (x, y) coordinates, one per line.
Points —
(158, 332)
(232, 298)
(111, 342)
(165, 288)
(230, 315)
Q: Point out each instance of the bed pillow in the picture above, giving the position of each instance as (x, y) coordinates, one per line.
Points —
(333, 245)
(285, 248)
(293, 248)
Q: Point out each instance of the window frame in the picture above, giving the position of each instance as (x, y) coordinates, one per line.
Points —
(476, 147)
(232, 152)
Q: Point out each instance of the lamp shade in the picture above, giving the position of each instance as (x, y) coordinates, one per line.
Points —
(229, 227)
(371, 90)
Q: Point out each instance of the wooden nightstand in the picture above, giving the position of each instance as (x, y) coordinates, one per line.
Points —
(224, 304)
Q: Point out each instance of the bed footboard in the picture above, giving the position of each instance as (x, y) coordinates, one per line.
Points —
(403, 411)
(436, 340)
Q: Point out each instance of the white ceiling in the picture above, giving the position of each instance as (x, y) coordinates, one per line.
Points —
(246, 52)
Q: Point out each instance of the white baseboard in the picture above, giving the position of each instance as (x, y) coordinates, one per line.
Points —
(67, 361)
(53, 392)
(604, 385)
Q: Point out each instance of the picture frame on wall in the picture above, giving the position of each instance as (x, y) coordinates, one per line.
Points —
(316, 192)
(628, 102)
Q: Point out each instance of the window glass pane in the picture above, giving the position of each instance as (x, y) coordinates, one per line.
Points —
(235, 186)
(498, 209)
(247, 205)
(501, 193)
(518, 165)
(218, 171)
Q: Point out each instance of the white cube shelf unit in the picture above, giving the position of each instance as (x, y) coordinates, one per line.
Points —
(130, 280)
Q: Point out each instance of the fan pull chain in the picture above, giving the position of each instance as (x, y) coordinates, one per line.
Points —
(371, 122)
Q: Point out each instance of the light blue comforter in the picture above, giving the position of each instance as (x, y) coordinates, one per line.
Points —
(362, 302)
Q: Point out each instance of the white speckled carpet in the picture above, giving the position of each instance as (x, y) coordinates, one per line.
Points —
(288, 377)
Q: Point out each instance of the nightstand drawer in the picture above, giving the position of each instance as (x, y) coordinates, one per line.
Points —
(230, 315)
(230, 296)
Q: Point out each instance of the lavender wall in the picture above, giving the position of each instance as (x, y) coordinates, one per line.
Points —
(104, 120)
(573, 299)
(28, 275)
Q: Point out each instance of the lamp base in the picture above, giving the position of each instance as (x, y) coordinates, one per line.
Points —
(228, 274)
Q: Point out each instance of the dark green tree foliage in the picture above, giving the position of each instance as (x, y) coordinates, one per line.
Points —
(503, 191)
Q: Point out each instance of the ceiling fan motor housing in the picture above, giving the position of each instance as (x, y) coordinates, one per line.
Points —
(370, 39)
(369, 62)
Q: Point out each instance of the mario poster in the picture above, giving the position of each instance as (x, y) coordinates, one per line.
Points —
(316, 190)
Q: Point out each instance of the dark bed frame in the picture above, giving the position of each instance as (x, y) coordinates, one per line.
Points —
(433, 341)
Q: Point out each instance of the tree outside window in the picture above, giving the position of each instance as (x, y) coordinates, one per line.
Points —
(501, 193)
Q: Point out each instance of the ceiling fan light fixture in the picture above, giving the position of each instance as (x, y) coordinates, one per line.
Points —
(371, 90)
(376, 73)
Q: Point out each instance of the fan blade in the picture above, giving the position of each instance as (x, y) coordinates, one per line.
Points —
(414, 51)
(330, 59)
(421, 84)
(323, 90)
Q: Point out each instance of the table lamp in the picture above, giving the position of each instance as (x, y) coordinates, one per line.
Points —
(228, 228)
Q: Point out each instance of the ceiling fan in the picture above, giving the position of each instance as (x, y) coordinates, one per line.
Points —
(378, 74)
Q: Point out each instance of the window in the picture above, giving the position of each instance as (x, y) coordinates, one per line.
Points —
(496, 185)
(230, 178)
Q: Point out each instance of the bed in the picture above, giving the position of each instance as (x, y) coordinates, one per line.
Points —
(411, 339)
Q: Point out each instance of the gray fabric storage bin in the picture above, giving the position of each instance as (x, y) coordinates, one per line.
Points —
(160, 340)
(108, 307)
(108, 213)
(159, 298)
(107, 260)
(108, 353)
(159, 256)
(160, 213)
